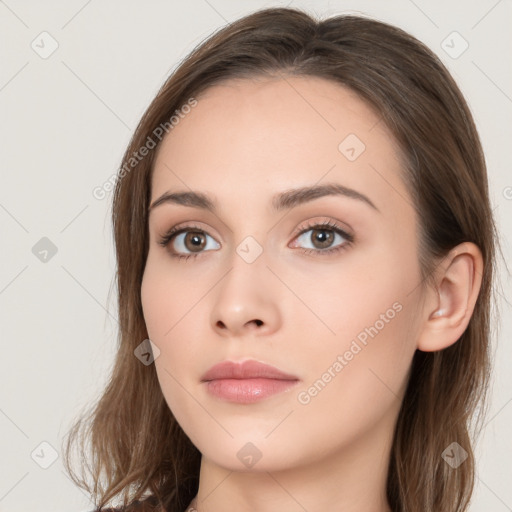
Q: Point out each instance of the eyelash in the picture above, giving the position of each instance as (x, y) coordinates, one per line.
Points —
(328, 226)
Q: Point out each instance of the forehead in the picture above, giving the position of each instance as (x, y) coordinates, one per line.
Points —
(260, 136)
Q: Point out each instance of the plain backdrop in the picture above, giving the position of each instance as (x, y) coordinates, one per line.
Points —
(66, 118)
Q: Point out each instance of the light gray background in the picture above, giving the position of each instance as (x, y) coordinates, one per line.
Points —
(65, 122)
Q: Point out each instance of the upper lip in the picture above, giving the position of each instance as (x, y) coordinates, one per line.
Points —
(245, 370)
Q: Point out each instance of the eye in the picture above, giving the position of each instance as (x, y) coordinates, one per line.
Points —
(186, 238)
(322, 237)
(190, 241)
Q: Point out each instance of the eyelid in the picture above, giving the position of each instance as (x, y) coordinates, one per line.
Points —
(326, 223)
(185, 226)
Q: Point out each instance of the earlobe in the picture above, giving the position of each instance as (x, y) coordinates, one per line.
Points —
(458, 284)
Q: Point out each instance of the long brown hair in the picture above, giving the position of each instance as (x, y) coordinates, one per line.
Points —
(137, 446)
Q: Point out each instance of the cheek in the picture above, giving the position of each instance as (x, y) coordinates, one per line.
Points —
(357, 382)
(349, 294)
(165, 315)
(169, 305)
(366, 336)
(155, 306)
(165, 297)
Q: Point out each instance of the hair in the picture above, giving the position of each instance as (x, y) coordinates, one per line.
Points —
(137, 444)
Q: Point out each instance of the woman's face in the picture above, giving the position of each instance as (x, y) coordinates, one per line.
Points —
(334, 306)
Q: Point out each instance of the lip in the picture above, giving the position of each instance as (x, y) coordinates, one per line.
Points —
(249, 369)
(246, 382)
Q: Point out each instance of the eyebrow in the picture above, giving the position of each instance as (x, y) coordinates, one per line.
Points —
(282, 201)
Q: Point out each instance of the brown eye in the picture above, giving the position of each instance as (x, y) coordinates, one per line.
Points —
(194, 240)
(322, 238)
(187, 241)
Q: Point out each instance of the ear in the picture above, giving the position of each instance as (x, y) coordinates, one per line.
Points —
(449, 307)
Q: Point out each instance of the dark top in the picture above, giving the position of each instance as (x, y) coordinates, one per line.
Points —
(149, 504)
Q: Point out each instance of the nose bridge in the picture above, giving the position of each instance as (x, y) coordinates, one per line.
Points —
(244, 298)
(249, 260)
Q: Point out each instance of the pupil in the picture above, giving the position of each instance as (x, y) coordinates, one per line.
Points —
(327, 239)
(196, 240)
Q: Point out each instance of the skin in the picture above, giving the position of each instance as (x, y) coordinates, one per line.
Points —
(245, 141)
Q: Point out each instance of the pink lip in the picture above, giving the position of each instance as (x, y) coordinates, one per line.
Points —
(245, 370)
(246, 382)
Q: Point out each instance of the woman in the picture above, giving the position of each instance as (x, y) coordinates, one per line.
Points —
(305, 252)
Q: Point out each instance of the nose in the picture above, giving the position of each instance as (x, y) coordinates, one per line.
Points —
(246, 301)
(250, 325)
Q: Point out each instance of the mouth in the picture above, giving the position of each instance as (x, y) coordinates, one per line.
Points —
(246, 382)
(247, 391)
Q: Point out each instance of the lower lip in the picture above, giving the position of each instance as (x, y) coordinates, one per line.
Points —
(246, 391)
